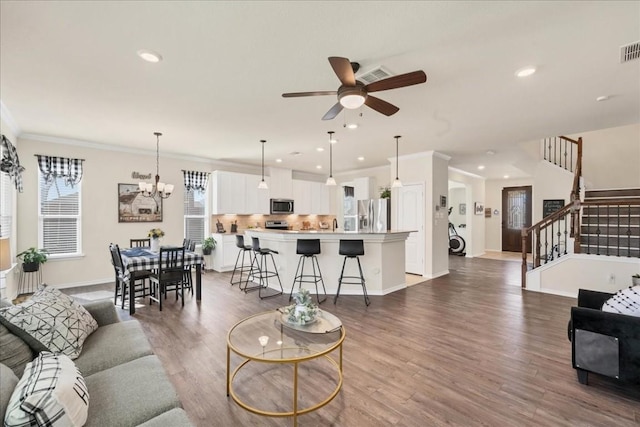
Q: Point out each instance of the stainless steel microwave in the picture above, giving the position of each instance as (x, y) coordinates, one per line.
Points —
(281, 206)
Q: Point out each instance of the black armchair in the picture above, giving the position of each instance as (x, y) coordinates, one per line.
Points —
(602, 342)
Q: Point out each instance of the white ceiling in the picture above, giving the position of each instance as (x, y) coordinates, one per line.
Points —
(70, 70)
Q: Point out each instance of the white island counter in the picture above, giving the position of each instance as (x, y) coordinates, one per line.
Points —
(383, 263)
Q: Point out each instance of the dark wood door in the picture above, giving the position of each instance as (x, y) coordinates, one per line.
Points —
(516, 215)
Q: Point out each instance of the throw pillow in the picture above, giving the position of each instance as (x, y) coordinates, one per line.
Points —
(14, 352)
(51, 392)
(8, 383)
(53, 320)
(625, 301)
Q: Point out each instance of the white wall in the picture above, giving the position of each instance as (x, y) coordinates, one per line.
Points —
(611, 157)
(10, 282)
(475, 192)
(103, 171)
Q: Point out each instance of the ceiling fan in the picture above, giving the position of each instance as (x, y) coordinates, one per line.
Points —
(353, 93)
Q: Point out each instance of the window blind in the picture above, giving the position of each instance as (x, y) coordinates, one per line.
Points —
(195, 219)
(6, 205)
(59, 216)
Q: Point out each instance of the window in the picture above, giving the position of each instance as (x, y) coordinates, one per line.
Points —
(60, 216)
(6, 205)
(195, 217)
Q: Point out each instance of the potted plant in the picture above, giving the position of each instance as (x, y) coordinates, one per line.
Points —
(385, 193)
(32, 258)
(635, 279)
(208, 245)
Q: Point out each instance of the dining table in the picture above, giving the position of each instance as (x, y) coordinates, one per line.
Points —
(141, 259)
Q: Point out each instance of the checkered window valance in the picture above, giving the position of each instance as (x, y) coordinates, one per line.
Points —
(10, 163)
(194, 180)
(60, 167)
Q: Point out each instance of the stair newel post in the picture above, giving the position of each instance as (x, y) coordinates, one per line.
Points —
(538, 247)
(524, 234)
(575, 225)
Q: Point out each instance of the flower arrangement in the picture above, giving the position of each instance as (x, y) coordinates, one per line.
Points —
(155, 233)
(303, 311)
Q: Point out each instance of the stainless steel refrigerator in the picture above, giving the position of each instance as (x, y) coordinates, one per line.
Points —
(373, 216)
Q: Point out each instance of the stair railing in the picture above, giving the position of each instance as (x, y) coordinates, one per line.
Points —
(564, 223)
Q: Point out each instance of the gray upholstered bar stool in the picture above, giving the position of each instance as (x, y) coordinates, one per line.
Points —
(352, 249)
(241, 267)
(308, 249)
(260, 269)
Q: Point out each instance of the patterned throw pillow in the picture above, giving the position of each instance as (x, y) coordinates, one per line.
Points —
(51, 393)
(53, 320)
(625, 301)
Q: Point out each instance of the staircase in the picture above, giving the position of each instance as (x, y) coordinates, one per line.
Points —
(606, 222)
(611, 223)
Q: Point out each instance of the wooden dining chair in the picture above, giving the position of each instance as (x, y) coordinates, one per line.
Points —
(170, 276)
(140, 243)
(137, 279)
(188, 269)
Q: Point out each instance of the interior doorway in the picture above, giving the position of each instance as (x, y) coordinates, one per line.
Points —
(516, 209)
(411, 217)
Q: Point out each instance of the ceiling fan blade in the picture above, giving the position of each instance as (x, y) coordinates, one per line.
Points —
(408, 79)
(317, 93)
(342, 68)
(334, 111)
(381, 106)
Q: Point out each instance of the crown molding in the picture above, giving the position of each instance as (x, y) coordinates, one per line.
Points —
(461, 172)
(365, 170)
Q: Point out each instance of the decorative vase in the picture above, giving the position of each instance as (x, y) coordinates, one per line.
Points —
(155, 244)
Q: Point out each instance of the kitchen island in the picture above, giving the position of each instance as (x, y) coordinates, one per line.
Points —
(383, 263)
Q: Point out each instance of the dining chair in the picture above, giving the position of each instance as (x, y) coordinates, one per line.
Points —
(137, 279)
(140, 243)
(188, 269)
(170, 276)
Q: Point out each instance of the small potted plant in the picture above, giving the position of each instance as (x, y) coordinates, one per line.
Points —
(32, 258)
(635, 279)
(385, 193)
(208, 245)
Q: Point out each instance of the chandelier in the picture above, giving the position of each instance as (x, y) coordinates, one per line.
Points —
(159, 188)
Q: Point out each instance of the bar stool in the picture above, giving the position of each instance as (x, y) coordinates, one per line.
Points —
(308, 248)
(352, 249)
(242, 268)
(260, 269)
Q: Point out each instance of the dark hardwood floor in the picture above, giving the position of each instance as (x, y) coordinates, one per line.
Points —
(470, 348)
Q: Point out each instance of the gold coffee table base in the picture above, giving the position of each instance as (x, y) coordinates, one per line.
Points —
(270, 356)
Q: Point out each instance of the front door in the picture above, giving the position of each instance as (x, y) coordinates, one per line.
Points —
(411, 217)
(516, 215)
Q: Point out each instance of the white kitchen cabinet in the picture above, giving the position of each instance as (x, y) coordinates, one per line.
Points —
(302, 197)
(320, 202)
(238, 193)
(225, 253)
(281, 185)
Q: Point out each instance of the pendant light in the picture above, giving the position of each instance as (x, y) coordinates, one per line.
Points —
(396, 183)
(331, 180)
(263, 185)
(159, 188)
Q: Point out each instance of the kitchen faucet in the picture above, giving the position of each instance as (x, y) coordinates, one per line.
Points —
(335, 224)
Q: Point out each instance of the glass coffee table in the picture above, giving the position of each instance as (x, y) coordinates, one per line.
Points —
(268, 338)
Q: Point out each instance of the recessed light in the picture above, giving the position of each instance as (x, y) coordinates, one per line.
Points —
(526, 71)
(603, 98)
(361, 158)
(149, 55)
(319, 149)
(506, 177)
(351, 125)
(481, 167)
(278, 160)
(319, 167)
(490, 152)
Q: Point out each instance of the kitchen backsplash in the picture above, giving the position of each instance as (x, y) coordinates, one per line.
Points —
(296, 222)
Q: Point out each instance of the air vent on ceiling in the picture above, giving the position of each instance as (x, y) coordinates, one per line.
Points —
(629, 52)
(374, 75)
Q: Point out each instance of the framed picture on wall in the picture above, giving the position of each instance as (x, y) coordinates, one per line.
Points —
(134, 207)
(462, 208)
(478, 208)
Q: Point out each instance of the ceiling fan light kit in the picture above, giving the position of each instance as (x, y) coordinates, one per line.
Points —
(353, 93)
